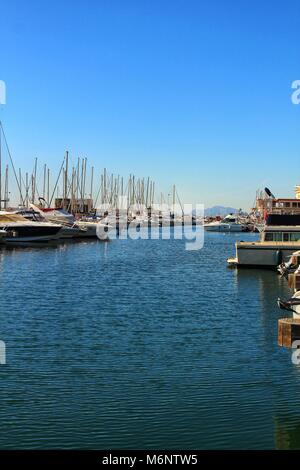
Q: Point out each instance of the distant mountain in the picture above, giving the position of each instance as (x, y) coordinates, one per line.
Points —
(219, 210)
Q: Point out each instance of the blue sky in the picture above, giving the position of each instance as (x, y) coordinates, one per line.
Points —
(195, 93)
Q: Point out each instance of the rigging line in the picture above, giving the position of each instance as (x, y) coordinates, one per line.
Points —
(12, 163)
(98, 194)
(179, 201)
(62, 165)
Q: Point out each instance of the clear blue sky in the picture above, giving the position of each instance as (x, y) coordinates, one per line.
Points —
(195, 93)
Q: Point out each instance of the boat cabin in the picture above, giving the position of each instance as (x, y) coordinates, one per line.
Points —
(282, 228)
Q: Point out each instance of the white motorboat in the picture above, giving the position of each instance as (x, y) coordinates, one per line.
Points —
(230, 223)
(72, 228)
(93, 229)
(67, 230)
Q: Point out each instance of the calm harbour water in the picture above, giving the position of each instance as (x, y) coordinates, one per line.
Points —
(141, 344)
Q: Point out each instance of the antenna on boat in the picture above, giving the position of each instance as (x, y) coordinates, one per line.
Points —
(269, 193)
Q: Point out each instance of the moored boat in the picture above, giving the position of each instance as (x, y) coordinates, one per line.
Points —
(230, 223)
(279, 238)
(73, 228)
(67, 231)
(20, 230)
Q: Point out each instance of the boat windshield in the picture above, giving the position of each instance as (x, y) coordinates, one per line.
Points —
(229, 220)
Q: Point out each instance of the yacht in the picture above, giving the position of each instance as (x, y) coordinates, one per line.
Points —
(71, 227)
(279, 238)
(67, 230)
(20, 230)
(230, 223)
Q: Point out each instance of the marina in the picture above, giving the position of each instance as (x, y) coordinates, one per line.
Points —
(35, 237)
(133, 330)
(149, 233)
(112, 202)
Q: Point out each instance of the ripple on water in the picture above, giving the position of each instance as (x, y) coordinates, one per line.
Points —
(142, 344)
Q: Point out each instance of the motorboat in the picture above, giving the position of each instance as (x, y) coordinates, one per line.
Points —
(93, 229)
(67, 231)
(279, 239)
(230, 223)
(20, 230)
(73, 228)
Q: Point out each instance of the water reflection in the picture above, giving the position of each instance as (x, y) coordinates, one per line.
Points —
(141, 344)
(260, 289)
(287, 433)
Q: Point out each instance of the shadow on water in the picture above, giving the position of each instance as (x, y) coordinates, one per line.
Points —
(287, 434)
(259, 290)
(52, 244)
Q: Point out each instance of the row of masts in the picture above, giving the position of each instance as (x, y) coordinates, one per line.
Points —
(77, 188)
(105, 190)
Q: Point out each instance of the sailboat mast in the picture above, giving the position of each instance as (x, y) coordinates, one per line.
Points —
(0, 168)
(174, 197)
(44, 181)
(34, 182)
(20, 182)
(6, 188)
(66, 180)
(48, 187)
(92, 181)
(26, 190)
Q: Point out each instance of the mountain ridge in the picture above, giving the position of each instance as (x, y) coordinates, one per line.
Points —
(219, 210)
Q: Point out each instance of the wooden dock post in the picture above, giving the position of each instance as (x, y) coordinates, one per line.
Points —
(288, 331)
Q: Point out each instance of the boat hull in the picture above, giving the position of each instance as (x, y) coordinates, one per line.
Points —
(69, 232)
(262, 254)
(223, 228)
(95, 230)
(35, 232)
(88, 229)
